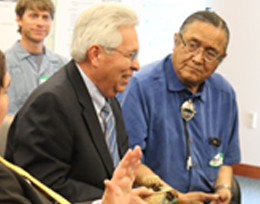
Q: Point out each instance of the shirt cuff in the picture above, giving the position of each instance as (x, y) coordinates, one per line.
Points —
(97, 201)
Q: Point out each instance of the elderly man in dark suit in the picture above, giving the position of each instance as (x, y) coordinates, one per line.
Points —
(59, 135)
(17, 186)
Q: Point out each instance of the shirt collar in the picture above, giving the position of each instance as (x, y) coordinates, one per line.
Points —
(97, 98)
(23, 53)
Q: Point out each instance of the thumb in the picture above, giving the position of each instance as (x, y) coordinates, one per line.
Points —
(110, 187)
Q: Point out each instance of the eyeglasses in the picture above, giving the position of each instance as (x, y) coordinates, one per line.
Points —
(130, 55)
(193, 48)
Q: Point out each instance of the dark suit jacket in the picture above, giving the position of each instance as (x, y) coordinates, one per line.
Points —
(14, 189)
(57, 137)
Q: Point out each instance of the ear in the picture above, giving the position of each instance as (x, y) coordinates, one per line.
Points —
(19, 21)
(222, 58)
(176, 38)
(94, 54)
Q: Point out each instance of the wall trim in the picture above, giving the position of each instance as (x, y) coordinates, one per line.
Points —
(247, 170)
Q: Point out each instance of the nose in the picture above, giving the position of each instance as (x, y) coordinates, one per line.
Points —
(198, 56)
(40, 21)
(135, 64)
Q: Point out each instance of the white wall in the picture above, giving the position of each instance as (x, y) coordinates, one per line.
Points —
(8, 26)
(242, 67)
(159, 20)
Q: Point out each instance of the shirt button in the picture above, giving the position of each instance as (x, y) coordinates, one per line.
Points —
(194, 165)
(191, 140)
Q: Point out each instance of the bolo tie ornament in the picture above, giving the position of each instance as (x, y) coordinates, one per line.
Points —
(187, 110)
(161, 194)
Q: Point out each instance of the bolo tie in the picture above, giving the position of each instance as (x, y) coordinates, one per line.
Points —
(187, 113)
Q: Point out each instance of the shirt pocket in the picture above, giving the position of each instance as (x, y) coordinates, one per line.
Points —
(215, 161)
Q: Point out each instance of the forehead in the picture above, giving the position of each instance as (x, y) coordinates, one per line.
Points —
(206, 34)
(37, 10)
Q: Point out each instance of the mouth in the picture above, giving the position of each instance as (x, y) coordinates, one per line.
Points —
(38, 31)
(126, 78)
(196, 69)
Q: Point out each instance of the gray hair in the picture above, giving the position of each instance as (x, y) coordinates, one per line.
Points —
(99, 25)
(207, 17)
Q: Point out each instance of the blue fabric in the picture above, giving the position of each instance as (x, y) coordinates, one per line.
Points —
(151, 110)
(26, 75)
(110, 132)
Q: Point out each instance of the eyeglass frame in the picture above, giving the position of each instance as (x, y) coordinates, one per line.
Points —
(194, 53)
(131, 55)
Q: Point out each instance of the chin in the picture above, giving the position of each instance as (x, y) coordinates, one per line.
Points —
(121, 89)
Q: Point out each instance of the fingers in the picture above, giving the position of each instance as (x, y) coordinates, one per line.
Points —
(135, 158)
(141, 191)
(112, 193)
(119, 189)
(131, 157)
(137, 152)
(138, 193)
(207, 196)
(110, 187)
(210, 196)
(225, 197)
(129, 164)
(197, 197)
(119, 174)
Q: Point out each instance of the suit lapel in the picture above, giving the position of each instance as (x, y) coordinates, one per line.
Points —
(90, 117)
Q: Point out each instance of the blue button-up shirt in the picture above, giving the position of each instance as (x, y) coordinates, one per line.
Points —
(26, 75)
(151, 107)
